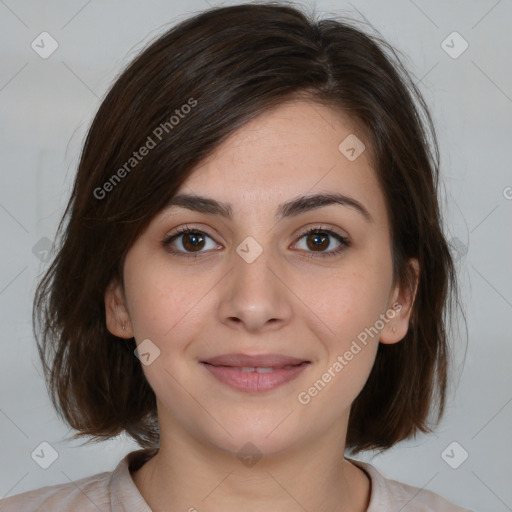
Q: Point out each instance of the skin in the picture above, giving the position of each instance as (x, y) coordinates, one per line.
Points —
(283, 302)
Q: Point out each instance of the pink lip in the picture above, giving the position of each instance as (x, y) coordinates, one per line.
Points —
(228, 370)
(262, 361)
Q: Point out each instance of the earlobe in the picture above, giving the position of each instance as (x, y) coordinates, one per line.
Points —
(400, 307)
(116, 314)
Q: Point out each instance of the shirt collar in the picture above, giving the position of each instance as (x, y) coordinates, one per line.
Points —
(124, 494)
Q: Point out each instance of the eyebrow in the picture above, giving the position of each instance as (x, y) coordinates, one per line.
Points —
(291, 208)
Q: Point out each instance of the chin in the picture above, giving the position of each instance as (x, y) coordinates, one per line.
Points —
(258, 436)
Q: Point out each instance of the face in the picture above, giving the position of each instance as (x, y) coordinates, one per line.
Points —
(302, 312)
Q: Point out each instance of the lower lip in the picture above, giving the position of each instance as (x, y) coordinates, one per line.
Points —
(254, 382)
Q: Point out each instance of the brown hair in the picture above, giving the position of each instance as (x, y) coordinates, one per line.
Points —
(227, 65)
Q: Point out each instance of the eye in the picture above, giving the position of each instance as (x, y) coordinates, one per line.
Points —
(192, 241)
(318, 239)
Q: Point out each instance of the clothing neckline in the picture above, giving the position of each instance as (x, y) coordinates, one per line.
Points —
(135, 462)
(121, 493)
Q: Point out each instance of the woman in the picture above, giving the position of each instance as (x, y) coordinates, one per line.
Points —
(253, 278)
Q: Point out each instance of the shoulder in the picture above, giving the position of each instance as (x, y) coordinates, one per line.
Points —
(110, 491)
(87, 494)
(387, 494)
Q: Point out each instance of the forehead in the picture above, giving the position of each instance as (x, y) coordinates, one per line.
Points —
(288, 151)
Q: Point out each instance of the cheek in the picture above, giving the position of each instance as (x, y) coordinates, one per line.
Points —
(350, 305)
(348, 301)
(168, 306)
(165, 307)
(335, 386)
(161, 300)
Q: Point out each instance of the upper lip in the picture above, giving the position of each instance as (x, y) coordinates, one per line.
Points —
(257, 361)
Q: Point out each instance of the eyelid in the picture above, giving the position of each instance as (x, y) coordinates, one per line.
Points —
(301, 232)
(331, 230)
(321, 226)
(185, 228)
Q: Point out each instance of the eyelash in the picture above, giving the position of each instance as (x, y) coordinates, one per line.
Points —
(344, 242)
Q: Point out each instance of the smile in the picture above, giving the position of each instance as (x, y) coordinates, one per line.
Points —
(255, 379)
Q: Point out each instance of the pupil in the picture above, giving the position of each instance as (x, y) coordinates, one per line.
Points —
(319, 240)
(194, 240)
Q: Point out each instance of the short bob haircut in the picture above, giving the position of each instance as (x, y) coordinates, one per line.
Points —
(180, 98)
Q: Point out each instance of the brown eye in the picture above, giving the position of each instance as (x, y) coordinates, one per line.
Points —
(192, 241)
(187, 242)
(319, 240)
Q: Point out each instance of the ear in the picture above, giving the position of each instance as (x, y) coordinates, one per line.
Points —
(116, 312)
(400, 307)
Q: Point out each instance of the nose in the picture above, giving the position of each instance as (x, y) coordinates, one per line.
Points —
(255, 296)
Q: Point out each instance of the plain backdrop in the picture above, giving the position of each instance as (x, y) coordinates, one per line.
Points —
(46, 107)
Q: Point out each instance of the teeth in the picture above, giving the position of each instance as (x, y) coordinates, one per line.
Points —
(259, 370)
(247, 369)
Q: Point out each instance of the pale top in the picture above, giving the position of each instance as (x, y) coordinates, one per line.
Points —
(115, 491)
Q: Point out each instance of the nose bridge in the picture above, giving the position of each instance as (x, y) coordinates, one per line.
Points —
(254, 294)
(251, 267)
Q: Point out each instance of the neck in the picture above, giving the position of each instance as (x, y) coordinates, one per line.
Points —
(189, 475)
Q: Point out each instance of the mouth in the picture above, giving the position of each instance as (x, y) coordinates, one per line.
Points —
(255, 374)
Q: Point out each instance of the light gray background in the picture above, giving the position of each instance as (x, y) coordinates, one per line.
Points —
(46, 106)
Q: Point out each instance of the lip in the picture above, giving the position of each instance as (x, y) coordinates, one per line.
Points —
(256, 373)
(262, 360)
